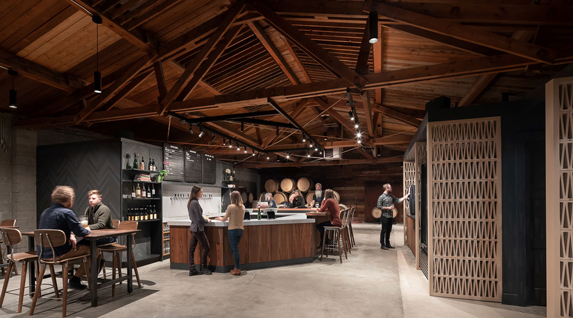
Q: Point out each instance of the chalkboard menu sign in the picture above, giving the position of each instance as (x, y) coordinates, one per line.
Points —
(209, 169)
(173, 156)
(193, 164)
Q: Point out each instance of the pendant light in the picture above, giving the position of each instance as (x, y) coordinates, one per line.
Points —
(97, 75)
(373, 27)
(13, 93)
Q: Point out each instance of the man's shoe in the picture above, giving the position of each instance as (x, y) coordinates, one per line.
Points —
(389, 246)
(76, 283)
(205, 271)
(194, 272)
(383, 247)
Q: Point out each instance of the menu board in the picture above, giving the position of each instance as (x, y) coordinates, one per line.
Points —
(209, 169)
(173, 157)
(193, 164)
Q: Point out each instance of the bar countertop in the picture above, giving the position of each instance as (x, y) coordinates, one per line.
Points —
(282, 218)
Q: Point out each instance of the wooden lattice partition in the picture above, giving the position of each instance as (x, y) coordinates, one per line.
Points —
(464, 209)
(559, 187)
(421, 158)
(409, 170)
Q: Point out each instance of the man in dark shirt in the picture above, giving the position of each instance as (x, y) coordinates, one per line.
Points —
(297, 200)
(386, 204)
(60, 217)
(99, 217)
(317, 197)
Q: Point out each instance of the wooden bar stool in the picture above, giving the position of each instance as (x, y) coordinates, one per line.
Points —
(350, 230)
(116, 226)
(52, 239)
(346, 232)
(337, 240)
(116, 249)
(12, 237)
(7, 222)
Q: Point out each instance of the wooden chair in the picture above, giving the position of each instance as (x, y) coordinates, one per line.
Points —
(337, 239)
(115, 226)
(7, 222)
(52, 239)
(116, 249)
(12, 237)
(350, 230)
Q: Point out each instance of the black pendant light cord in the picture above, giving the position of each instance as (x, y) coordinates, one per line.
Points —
(97, 47)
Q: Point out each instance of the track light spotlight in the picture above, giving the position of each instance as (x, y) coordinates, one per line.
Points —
(13, 98)
(201, 132)
(288, 156)
(356, 126)
(373, 26)
(245, 149)
(268, 157)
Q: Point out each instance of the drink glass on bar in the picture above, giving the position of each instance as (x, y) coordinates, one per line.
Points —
(84, 221)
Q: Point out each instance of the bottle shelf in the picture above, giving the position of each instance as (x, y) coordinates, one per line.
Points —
(141, 199)
(139, 171)
(135, 181)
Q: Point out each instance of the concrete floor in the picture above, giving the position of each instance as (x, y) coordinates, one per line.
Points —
(371, 283)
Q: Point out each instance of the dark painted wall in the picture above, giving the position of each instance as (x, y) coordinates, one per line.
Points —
(523, 197)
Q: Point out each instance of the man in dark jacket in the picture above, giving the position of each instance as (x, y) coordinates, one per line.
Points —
(99, 216)
(60, 217)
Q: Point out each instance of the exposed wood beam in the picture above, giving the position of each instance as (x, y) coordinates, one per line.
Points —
(292, 121)
(160, 78)
(366, 154)
(110, 92)
(135, 36)
(139, 20)
(466, 33)
(406, 119)
(264, 123)
(367, 112)
(232, 116)
(180, 69)
(40, 73)
(189, 72)
(273, 51)
(259, 135)
(392, 140)
(133, 84)
(334, 114)
(325, 163)
(308, 46)
(297, 61)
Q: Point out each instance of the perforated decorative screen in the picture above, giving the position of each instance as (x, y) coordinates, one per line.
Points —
(464, 212)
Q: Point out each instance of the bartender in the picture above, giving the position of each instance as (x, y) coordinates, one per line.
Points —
(317, 197)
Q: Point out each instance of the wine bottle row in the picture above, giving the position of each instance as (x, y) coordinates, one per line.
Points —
(141, 165)
(143, 192)
(148, 212)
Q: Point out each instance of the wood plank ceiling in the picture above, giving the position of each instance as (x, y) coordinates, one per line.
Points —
(164, 59)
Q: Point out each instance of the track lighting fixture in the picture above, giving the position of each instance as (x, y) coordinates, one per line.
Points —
(238, 147)
(351, 115)
(213, 139)
(356, 126)
(97, 75)
(13, 94)
(224, 142)
(308, 155)
(230, 144)
(288, 156)
(373, 27)
(315, 149)
(201, 133)
(268, 157)
(245, 149)
(191, 130)
(303, 138)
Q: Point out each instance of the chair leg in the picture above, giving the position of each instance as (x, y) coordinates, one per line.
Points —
(39, 287)
(6, 279)
(322, 250)
(135, 270)
(114, 266)
(339, 242)
(2, 259)
(54, 282)
(65, 291)
(103, 268)
(344, 246)
(352, 234)
(119, 266)
(88, 270)
(22, 286)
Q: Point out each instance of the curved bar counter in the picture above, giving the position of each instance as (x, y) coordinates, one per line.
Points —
(286, 240)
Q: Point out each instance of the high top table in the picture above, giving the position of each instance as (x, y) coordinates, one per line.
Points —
(93, 237)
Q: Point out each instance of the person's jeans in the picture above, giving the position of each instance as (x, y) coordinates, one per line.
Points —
(234, 238)
(320, 228)
(201, 238)
(386, 229)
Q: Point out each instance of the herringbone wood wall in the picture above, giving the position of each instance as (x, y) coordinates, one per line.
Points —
(464, 212)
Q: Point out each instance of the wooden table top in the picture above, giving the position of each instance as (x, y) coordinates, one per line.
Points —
(9, 227)
(97, 234)
(295, 209)
(318, 214)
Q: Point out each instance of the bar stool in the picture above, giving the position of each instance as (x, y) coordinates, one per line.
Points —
(350, 230)
(346, 232)
(52, 239)
(116, 249)
(337, 232)
(115, 226)
(7, 222)
(12, 237)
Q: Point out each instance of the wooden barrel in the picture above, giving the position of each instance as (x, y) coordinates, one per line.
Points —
(309, 197)
(250, 197)
(244, 197)
(272, 186)
(304, 184)
(336, 197)
(280, 197)
(288, 185)
(376, 213)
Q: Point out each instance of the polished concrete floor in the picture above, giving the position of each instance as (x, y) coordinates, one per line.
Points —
(371, 283)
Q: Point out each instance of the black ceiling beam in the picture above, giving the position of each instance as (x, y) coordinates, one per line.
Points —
(274, 105)
(231, 117)
(264, 122)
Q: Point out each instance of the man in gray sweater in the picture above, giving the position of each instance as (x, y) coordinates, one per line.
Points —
(99, 216)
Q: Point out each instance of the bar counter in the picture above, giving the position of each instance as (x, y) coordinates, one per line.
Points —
(286, 240)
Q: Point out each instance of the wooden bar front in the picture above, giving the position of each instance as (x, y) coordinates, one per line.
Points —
(262, 245)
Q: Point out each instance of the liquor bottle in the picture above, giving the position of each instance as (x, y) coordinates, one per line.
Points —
(138, 191)
(133, 192)
(149, 164)
(135, 161)
(259, 214)
(143, 192)
(153, 165)
(153, 190)
(147, 214)
(154, 213)
(148, 193)
(142, 164)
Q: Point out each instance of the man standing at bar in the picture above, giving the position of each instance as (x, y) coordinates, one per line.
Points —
(386, 204)
(317, 197)
(60, 217)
